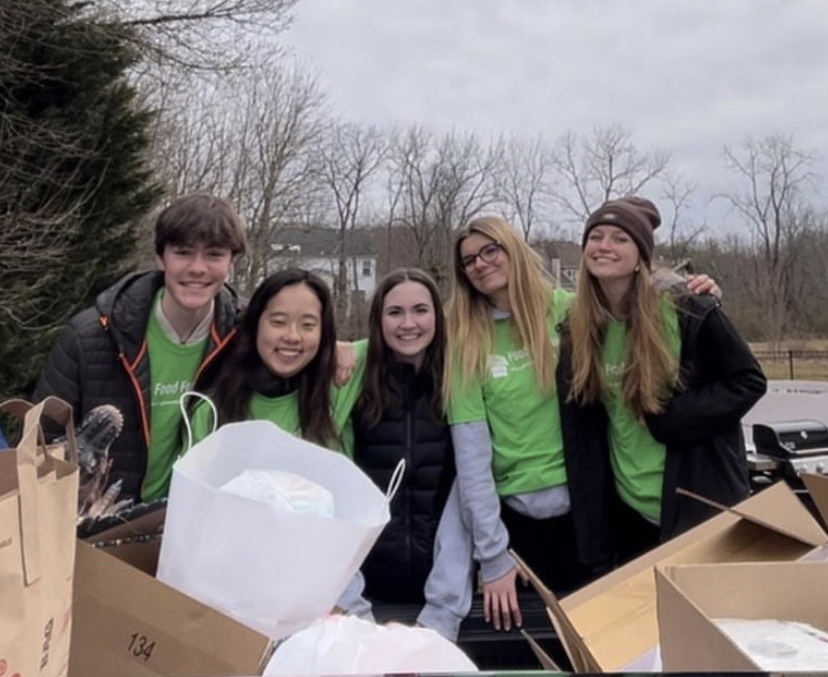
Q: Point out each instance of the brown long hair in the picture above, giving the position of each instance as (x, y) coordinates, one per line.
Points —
(380, 393)
(233, 389)
(469, 313)
(651, 372)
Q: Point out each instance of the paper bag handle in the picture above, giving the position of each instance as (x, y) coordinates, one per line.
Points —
(186, 418)
(26, 456)
(395, 481)
(54, 408)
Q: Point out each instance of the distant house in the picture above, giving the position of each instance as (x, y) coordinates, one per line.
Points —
(317, 250)
(562, 259)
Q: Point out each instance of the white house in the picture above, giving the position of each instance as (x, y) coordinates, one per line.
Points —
(317, 250)
(562, 259)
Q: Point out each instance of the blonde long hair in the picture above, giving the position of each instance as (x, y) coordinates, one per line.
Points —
(469, 313)
(651, 372)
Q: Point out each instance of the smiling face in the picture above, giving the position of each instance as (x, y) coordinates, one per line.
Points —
(289, 330)
(485, 264)
(194, 274)
(408, 321)
(611, 254)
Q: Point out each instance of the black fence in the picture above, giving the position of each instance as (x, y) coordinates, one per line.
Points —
(802, 365)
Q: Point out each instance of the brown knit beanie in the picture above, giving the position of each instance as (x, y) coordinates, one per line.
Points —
(636, 215)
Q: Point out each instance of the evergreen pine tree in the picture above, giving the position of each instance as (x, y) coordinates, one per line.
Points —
(74, 173)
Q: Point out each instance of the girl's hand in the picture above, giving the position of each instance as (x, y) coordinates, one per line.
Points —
(703, 284)
(500, 602)
(345, 362)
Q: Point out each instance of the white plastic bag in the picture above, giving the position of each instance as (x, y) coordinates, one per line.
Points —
(778, 645)
(275, 572)
(344, 645)
(284, 491)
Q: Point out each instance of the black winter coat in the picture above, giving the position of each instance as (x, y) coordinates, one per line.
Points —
(399, 563)
(701, 428)
(101, 358)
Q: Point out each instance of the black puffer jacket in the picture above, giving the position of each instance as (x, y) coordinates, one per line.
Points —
(398, 565)
(701, 428)
(101, 358)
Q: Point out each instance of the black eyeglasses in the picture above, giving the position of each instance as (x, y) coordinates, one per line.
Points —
(488, 253)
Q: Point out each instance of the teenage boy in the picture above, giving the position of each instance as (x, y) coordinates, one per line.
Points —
(149, 336)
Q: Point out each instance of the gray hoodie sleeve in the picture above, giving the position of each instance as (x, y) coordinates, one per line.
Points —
(353, 601)
(479, 501)
(448, 588)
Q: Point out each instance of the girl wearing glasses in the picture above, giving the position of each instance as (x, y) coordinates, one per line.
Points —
(504, 414)
(658, 381)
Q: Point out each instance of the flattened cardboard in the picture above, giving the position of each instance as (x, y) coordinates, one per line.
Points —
(777, 508)
(129, 624)
(611, 623)
(689, 596)
(577, 652)
(543, 658)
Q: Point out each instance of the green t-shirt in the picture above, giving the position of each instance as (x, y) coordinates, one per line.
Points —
(284, 410)
(524, 423)
(637, 459)
(172, 369)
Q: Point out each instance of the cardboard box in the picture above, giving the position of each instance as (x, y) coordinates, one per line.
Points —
(127, 623)
(689, 597)
(611, 624)
(817, 486)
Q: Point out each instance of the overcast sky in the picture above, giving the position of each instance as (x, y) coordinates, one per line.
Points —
(687, 76)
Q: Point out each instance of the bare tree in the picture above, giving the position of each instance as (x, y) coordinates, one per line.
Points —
(412, 185)
(810, 287)
(249, 139)
(437, 184)
(274, 182)
(604, 165)
(524, 182)
(680, 235)
(187, 48)
(777, 176)
(346, 162)
(196, 35)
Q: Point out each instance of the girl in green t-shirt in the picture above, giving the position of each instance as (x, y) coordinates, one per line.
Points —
(503, 410)
(282, 365)
(282, 368)
(659, 380)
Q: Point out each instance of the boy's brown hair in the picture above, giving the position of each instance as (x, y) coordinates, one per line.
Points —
(200, 217)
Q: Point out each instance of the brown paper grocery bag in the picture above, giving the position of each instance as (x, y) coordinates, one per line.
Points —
(38, 511)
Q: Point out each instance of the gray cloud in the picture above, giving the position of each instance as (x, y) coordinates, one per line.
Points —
(687, 75)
